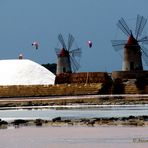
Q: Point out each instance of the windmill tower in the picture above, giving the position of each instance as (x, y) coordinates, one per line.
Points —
(133, 47)
(67, 58)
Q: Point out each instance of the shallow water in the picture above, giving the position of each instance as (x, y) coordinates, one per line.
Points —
(71, 112)
(72, 137)
(78, 111)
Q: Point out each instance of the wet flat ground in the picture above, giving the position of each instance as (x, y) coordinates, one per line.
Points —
(72, 137)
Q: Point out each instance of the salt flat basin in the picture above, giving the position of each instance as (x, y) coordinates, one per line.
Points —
(75, 137)
(72, 111)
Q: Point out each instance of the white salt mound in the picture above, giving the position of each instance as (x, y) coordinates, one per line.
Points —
(24, 72)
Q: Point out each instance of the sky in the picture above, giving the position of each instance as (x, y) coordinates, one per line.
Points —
(25, 21)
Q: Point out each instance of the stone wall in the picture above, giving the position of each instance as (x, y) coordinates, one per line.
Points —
(49, 90)
(131, 89)
(83, 77)
(70, 89)
(129, 74)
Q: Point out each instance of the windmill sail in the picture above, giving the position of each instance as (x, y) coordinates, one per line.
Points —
(76, 52)
(70, 41)
(123, 26)
(140, 24)
(75, 64)
(118, 44)
(60, 37)
(144, 40)
(145, 54)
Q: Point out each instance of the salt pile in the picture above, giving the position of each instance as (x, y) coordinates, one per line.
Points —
(24, 72)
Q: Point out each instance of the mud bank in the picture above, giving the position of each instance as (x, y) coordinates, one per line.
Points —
(81, 99)
(58, 121)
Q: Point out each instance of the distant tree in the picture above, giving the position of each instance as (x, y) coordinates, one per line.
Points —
(51, 67)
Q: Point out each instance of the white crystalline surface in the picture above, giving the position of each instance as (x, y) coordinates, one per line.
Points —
(24, 72)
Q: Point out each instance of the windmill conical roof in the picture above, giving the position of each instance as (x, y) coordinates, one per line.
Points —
(24, 72)
(131, 41)
(63, 53)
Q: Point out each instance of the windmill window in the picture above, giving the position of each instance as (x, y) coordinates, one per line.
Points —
(131, 65)
(64, 69)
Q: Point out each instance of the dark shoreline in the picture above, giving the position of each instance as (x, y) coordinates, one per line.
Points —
(58, 121)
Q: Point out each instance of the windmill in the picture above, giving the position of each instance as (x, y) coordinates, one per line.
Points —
(67, 61)
(133, 47)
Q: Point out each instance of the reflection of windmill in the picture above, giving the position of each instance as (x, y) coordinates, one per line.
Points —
(133, 50)
(66, 56)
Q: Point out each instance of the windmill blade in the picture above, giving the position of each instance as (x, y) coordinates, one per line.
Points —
(118, 44)
(144, 40)
(145, 54)
(123, 26)
(75, 65)
(70, 41)
(57, 50)
(60, 37)
(140, 24)
(76, 52)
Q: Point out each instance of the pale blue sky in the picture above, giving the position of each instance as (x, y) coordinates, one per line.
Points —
(24, 21)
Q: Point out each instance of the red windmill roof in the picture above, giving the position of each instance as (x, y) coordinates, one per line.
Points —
(63, 53)
(131, 41)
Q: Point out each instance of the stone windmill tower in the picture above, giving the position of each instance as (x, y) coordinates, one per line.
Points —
(67, 61)
(133, 47)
